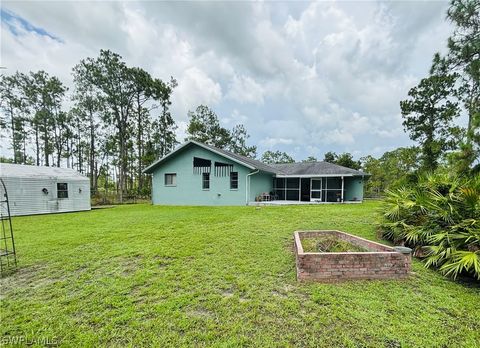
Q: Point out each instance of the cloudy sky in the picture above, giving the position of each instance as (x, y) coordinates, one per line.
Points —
(305, 78)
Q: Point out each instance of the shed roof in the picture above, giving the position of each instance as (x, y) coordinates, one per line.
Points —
(8, 170)
(285, 169)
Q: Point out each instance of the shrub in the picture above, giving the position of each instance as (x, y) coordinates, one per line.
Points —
(440, 219)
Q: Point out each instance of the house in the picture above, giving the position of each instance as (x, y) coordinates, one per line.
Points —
(200, 174)
(42, 190)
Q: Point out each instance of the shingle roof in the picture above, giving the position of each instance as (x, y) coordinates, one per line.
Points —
(250, 161)
(247, 162)
(303, 168)
(8, 170)
(315, 168)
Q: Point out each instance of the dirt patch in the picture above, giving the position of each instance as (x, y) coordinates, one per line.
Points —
(200, 313)
(228, 293)
(30, 277)
(278, 294)
(164, 262)
(130, 264)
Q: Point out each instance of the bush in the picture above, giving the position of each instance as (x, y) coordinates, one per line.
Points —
(440, 219)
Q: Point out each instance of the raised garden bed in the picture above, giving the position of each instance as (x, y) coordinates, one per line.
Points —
(330, 256)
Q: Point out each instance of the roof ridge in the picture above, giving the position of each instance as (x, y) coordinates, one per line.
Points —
(313, 168)
(274, 170)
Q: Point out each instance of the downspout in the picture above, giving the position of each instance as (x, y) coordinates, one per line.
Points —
(247, 184)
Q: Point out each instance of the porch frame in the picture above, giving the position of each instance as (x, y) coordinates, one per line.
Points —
(322, 190)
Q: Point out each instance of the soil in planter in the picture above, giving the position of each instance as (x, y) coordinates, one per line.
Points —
(329, 244)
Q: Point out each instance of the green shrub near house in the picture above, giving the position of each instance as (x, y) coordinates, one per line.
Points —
(440, 218)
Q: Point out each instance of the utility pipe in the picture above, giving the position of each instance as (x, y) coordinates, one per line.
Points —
(247, 184)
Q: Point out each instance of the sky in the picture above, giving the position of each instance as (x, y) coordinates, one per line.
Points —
(305, 78)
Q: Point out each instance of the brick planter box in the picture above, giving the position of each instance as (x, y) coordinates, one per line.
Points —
(379, 262)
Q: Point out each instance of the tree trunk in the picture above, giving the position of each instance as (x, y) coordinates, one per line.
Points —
(37, 145)
(122, 167)
(14, 145)
(24, 155)
(79, 149)
(92, 152)
(139, 144)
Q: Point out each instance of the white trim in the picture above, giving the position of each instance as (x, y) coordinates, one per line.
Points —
(315, 175)
(299, 189)
(316, 190)
(343, 186)
(247, 185)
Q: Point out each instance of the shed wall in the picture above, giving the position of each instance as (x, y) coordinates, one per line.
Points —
(26, 196)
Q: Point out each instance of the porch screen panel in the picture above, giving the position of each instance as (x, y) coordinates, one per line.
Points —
(334, 195)
(293, 195)
(332, 189)
(316, 189)
(293, 189)
(279, 187)
(334, 183)
(293, 183)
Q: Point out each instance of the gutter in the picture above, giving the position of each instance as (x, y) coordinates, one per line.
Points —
(247, 184)
(318, 175)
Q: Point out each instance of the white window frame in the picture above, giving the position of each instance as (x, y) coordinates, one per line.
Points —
(204, 181)
(231, 180)
(174, 179)
(63, 191)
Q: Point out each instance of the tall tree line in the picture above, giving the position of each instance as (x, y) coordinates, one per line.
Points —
(204, 126)
(451, 89)
(118, 121)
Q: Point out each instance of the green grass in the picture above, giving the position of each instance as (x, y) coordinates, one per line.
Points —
(330, 244)
(142, 275)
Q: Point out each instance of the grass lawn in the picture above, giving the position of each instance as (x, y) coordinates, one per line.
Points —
(144, 275)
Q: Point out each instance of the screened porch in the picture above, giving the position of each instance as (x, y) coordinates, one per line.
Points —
(309, 189)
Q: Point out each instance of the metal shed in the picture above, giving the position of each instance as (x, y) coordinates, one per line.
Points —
(43, 190)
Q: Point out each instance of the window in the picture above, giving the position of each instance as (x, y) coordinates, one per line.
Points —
(206, 181)
(233, 180)
(171, 179)
(62, 190)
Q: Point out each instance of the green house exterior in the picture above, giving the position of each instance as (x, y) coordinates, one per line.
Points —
(199, 174)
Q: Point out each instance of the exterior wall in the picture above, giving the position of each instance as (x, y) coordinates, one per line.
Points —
(381, 262)
(26, 197)
(188, 189)
(259, 183)
(353, 188)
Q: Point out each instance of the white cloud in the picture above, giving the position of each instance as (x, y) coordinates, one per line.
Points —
(245, 89)
(338, 137)
(304, 78)
(195, 87)
(272, 142)
(235, 118)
